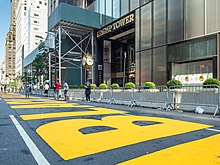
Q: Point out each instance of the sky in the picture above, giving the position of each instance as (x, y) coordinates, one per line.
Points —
(4, 25)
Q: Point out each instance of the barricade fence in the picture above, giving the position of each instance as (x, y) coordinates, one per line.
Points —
(173, 98)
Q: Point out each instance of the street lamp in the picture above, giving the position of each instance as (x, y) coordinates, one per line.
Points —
(51, 45)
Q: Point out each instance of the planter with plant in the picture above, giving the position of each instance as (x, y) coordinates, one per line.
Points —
(115, 86)
(103, 86)
(93, 86)
(150, 87)
(174, 84)
(130, 85)
(211, 85)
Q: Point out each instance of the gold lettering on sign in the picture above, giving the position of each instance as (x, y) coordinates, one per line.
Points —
(116, 25)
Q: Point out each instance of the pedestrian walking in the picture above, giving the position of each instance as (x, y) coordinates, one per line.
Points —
(87, 91)
(58, 92)
(27, 90)
(46, 89)
(5, 87)
(65, 89)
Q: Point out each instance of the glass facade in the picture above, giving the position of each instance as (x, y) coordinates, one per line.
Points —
(194, 18)
(212, 16)
(169, 34)
(175, 23)
(146, 27)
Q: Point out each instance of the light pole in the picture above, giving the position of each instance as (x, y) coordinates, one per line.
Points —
(51, 38)
(125, 55)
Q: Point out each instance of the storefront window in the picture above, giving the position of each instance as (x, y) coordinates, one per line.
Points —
(107, 62)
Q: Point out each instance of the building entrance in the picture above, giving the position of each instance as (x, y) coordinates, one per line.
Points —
(119, 60)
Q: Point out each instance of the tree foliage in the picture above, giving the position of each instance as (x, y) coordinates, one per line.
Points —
(40, 67)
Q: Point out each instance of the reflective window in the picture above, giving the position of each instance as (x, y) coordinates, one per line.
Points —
(159, 22)
(102, 7)
(213, 16)
(194, 18)
(109, 7)
(159, 66)
(124, 7)
(116, 8)
(134, 4)
(145, 66)
(194, 49)
(137, 30)
(146, 26)
(175, 20)
(142, 2)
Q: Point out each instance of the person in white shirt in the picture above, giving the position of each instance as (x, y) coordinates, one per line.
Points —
(65, 89)
(46, 88)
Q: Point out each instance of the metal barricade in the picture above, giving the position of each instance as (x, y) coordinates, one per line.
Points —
(189, 97)
(157, 97)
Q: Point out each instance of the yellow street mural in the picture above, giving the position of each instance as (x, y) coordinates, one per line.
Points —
(66, 139)
(93, 111)
(75, 138)
(54, 105)
(205, 151)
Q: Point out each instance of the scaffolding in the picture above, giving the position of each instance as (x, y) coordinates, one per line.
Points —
(82, 43)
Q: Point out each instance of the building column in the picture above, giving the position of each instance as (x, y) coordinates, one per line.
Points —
(218, 55)
(93, 67)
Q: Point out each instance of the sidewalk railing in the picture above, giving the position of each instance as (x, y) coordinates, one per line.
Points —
(173, 98)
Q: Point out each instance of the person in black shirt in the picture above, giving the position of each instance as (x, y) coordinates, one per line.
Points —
(87, 91)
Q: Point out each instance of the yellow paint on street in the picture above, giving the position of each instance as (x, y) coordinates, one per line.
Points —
(66, 139)
(49, 106)
(94, 111)
(11, 96)
(36, 102)
(201, 152)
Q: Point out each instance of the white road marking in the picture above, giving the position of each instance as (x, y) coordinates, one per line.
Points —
(215, 130)
(38, 156)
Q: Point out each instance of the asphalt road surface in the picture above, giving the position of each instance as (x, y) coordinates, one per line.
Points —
(46, 131)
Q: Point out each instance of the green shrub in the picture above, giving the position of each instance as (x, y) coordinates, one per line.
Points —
(82, 86)
(149, 85)
(73, 86)
(211, 83)
(93, 86)
(103, 86)
(174, 84)
(130, 85)
(115, 86)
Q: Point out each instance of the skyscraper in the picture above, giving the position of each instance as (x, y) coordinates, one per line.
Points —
(31, 21)
(10, 46)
